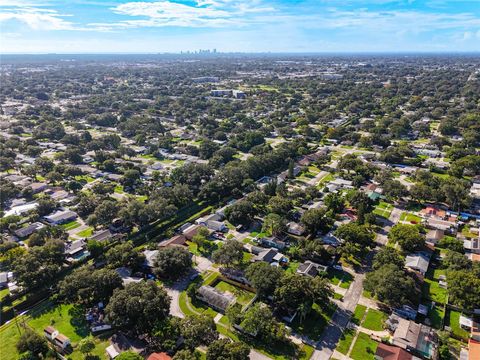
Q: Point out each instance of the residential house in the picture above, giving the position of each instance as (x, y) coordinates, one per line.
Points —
(174, 241)
(38, 187)
(472, 246)
(413, 337)
(295, 228)
(418, 261)
(150, 256)
(29, 230)
(473, 349)
(159, 356)
(216, 226)
(62, 341)
(434, 236)
(191, 231)
(388, 352)
(210, 217)
(214, 298)
(75, 251)
(272, 242)
(60, 217)
(3, 280)
(50, 333)
(271, 256)
(309, 268)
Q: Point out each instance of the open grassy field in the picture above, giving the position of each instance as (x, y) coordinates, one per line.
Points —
(431, 289)
(70, 225)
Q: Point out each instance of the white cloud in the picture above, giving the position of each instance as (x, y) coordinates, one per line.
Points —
(37, 18)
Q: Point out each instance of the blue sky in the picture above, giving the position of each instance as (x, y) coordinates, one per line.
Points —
(129, 26)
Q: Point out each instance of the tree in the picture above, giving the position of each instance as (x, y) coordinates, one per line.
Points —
(387, 255)
(394, 189)
(242, 212)
(451, 243)
(456, 261)
(230, 254)
(274, 224)
(32, 342)
(334, 202)
(200, 239)
(138, 307)
(198, 330)
(124, 254)
(295, 291)
(258, 320)
(316, 220)
(88, 286)
(129, 355)
(280, 205)
(391, 285)
(172, 262)
(356, 233)
(263, 277)
(464, 289)
(224, 349)
(39, 267)
(186, 355)
(86, 345)
(407, 236)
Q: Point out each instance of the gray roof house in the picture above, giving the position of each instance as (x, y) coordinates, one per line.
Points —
(270, 256)
(309, 268)
(60, 217)
(29, 230)
(418, 261)
(214, 298)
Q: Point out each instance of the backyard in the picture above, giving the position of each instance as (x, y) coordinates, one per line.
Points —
(243, 296)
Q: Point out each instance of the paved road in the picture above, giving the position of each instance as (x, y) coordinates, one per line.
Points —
(332, 333)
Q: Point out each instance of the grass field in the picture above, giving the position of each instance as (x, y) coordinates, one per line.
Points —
(383, 209)
(70, 225)
(67, 319)
(345, 341)
(453, 321)
(431, 289)
(358, 314)
(364, 348)
(411, 218)
(374, 320)
(436, 315)
(85, 233)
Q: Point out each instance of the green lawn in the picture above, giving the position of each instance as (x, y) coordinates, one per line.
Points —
(324, 180)
(243, 296)
(85, 233)
(9, 335)
(346, 280)
(313, 324)
(411, 218)
(374, 320)
(67, 319)
(335, 276)
(345, 341)
(70, 225)
(195, 307)
(431, 289)
(383, 209)
(436, 315)
(364, 348)
(453, 321)
(358, 314)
